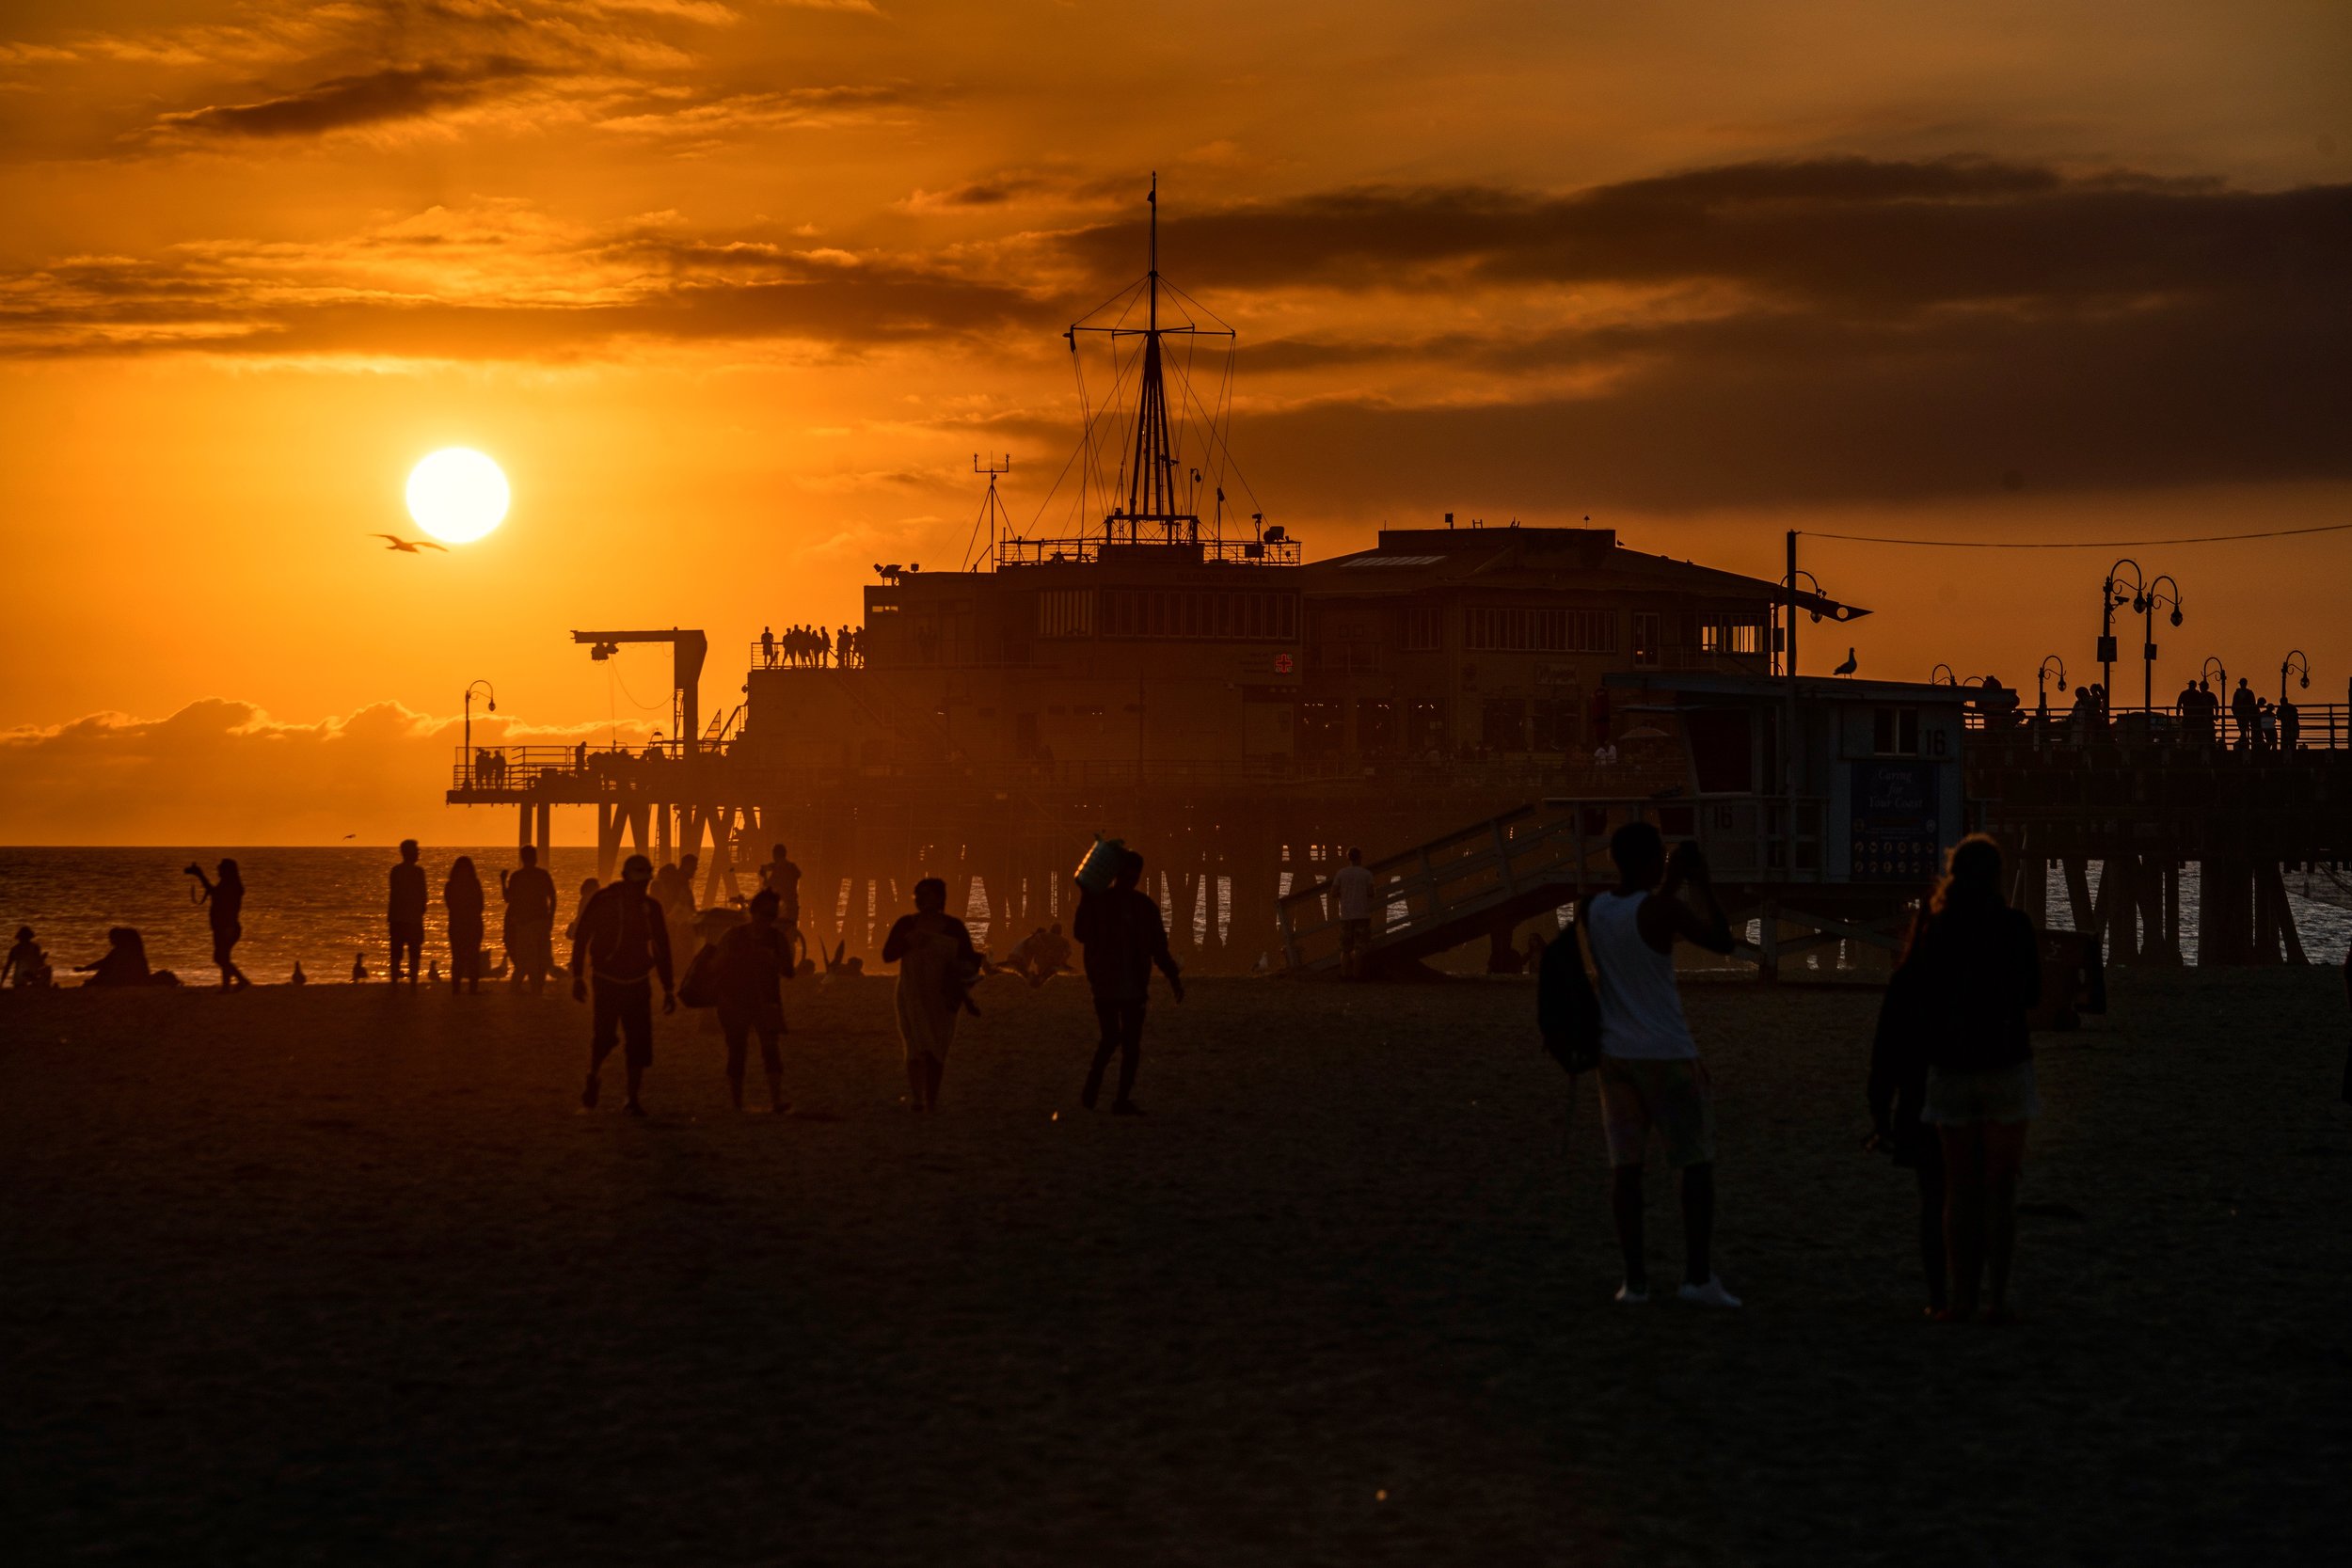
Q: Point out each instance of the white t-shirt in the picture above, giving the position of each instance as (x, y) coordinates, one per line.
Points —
(1354, 886)
(1641, 1009)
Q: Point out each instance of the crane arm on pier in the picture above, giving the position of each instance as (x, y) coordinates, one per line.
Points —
(687, 651)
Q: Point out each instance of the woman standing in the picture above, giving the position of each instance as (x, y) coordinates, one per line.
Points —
(462, 896)
(1979, 972)
(937, 962)
(1898, 1092)
(227, 900)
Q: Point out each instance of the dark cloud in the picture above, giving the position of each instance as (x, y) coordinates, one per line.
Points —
(404, 92)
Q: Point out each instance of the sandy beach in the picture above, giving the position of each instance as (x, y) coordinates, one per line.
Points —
(338, 1275)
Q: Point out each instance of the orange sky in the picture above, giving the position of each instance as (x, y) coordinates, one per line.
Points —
(733, 292)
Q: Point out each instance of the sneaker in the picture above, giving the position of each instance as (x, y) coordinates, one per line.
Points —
(1709, 1294)
(1628, 1297)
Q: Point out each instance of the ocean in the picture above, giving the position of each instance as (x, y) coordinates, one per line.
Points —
(322, 905)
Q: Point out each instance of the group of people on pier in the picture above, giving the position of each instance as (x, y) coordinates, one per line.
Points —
(810, 648)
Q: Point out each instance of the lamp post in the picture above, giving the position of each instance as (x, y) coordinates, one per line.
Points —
(2042, 680)
(2296, 661)
(1789, 584)
(492, 692)
(1942, 675)
(2215, 667)
(2146, 605)
(2108, 600)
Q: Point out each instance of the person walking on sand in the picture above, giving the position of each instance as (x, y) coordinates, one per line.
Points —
(622, 943)
(405, 913)
(936, 964)
(754, 959)
(462, 897)
(1124, 937)
(1897, 1093)
(529, 924)
(1650, 1074)
(226, 898)
(1980, 973)
(1351, 890)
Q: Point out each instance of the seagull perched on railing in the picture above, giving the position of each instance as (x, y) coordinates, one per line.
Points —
(409, 546)
(1849, 666)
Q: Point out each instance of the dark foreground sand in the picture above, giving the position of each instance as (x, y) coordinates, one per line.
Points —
(337, 1276)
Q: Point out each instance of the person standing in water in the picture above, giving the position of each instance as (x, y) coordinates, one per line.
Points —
(529, 924)
(405, 913)
(462, 896)
(754, 959)
(937, 962)
(1650, 1073)
(622, 943)
(227, 900)
(1124, 937)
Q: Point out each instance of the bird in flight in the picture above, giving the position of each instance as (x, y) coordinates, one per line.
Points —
(409, 546)
(1850, 666)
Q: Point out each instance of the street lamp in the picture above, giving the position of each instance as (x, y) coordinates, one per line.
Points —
(1942, 675)
(2146, 605)
(2041, 679)
(1789, 584)
(2296, 661)
(492, 692)
(2109, 599)
(2221, 675)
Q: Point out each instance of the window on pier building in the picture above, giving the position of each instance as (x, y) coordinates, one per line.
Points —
(1505, 727)
(1320, 729)
(1425, 628)
(1065, 613)
(1512, 628)
(1375, 727)
(1205, 614)
(1895, 732)
(1646, 637)
(1731, 634)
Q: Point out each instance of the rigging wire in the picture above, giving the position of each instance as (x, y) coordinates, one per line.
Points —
(2074, 544)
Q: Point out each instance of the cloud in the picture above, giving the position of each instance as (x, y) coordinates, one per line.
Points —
(222, 771)
(399, 93)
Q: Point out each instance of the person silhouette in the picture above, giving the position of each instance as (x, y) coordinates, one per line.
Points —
(27, 966)
(1124, 938)
(768, 647)
(124, 962)
(1650, 1076)
(405, 913)
(297, 977)
(622, 943)
(528, 927)
(227, 900)
(753, 959)
(462, 896)
(937, 962)
(2245, 711)
(359, 967)
(783, 877)
(2290, 726)
(587, 891)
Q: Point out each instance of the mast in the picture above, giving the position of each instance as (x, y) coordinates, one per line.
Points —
(1151, 485)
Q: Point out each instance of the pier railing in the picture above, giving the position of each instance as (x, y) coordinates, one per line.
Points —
(2319, 727)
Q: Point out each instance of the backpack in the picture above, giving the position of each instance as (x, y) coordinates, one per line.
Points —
(1567, 1009)
(700, 988)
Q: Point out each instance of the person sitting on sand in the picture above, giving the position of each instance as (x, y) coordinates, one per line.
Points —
(753, 959)
(1980, 974)
(1124, 938)
(27, 966)
(1650, 1075)
(226, 901)
(936, 964)
(622, 943)
(405, 913)
(125, 961)
(462, 896)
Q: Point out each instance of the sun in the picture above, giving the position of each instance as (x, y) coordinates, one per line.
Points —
(457, 495)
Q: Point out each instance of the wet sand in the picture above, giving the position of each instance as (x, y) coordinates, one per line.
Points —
(335, 1276)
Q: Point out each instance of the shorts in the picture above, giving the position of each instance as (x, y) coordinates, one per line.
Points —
(225, 939)
(2001, 1094)
(1354, 935)
(622, 1013)
(1674, 1096)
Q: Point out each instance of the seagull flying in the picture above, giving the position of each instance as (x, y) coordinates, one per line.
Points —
(409, 546)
